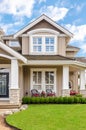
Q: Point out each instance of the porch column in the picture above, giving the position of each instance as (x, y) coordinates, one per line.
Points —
(14, 88)
(65, 89)
(82, 83)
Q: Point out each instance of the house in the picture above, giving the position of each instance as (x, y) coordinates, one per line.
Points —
(39, 56)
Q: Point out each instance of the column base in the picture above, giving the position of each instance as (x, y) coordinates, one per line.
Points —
(83, 92)
(65, 92)
(14, 95)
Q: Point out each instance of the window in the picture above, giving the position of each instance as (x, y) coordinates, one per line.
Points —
(43, 44)
(14, 44)
(49, 80)
(37, 80)
(42, 79)
(49, 42)
(37, 44)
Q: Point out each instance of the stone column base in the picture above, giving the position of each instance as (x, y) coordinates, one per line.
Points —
(83, 92)
(14, 95)
(65, 92)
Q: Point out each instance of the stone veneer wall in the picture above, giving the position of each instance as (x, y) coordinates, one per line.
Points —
(65, 92)
(83, 92)
(14, 95)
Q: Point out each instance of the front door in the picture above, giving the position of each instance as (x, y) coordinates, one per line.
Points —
(4, 82)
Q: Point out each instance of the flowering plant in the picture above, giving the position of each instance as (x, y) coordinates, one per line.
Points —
(43, 94)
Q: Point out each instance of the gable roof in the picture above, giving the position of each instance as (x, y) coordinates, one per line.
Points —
(12, 52)
(49, 20)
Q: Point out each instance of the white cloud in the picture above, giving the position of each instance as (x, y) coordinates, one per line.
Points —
(79, 38)
(78, 31)
(83, 47)
(17, 7)
(54, 12)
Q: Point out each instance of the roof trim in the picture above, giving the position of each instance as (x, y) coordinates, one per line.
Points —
(40, 19)
(12, 52)
(5, 56)
(56, 62)
(43, 30)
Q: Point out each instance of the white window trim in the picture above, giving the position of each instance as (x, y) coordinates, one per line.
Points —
(43, 77)
(43, 52)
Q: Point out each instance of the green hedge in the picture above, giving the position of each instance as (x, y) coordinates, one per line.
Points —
(54, 100)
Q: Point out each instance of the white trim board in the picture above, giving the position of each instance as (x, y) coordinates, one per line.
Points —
(12, 52)
(56, 62)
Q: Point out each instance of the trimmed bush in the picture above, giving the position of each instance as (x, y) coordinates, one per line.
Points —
(54, 100)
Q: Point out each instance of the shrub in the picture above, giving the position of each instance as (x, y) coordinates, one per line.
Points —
(53, 100)
(70, 100)
(78, 95)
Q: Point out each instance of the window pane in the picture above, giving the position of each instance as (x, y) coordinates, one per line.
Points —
(49, 87)
(46, 77)
(34, 41)
(34, 77)
(47, 40)
(51, 48)
(34, 48)
(39, 48)
(39, 77)
(47, 48)
(51, 77)
(52, 40)
(39, 40)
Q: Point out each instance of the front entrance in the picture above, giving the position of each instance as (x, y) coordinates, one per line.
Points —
(4, 82)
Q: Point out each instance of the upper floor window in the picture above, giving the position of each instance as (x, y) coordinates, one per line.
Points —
(50, 44)
(43, 44)
(37, 44)
(14, 44)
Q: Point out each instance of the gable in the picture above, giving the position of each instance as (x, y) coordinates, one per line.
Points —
(43, 24)
(41, 20)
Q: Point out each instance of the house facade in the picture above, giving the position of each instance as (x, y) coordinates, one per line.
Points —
(39, 56)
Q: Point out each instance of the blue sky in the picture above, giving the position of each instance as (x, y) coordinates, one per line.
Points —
(71, 14)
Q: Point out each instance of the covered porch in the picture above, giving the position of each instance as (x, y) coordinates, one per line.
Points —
(60, 78)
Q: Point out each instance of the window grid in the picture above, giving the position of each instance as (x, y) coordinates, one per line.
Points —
(49, 42)
(44, 44)
(37, 44)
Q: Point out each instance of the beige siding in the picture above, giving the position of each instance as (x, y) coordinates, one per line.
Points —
(43, 24)
(61, 46)
(25, 45)
(59, 81)
(70, 54)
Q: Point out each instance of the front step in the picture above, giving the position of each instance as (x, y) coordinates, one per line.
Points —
(9, 106)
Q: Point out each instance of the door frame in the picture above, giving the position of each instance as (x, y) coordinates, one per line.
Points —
(7, 84)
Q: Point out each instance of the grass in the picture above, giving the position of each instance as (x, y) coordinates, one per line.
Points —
(50, 117)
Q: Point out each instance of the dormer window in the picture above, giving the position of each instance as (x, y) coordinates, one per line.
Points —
(37, 44)
(49, 42)
(43, 44)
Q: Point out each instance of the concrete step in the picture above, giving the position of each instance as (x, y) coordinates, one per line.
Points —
(9, 106)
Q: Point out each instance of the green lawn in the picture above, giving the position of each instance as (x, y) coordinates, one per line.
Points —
(50, 117)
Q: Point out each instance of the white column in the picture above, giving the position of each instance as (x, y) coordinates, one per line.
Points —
(82, 80)
(65, 77)
(14, 74)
